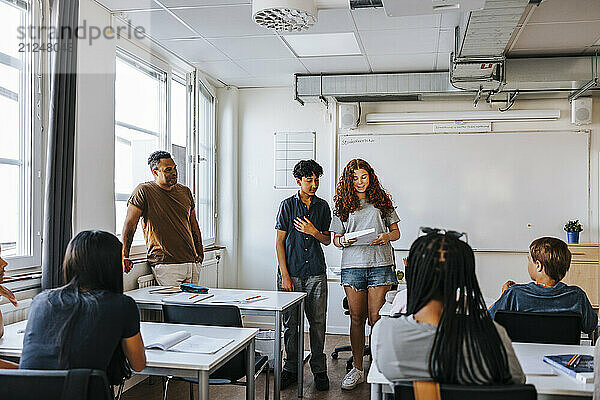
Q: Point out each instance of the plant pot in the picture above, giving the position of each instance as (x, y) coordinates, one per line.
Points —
(572, 237)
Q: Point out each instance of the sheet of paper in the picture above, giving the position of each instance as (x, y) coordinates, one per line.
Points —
(236, 300)
(164, 342)
(357, 234)
(201, 344)
(187, 298)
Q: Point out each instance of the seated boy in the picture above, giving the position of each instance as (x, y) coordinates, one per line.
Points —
(549, 260)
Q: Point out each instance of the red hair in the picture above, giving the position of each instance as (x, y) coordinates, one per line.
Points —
(346, 200)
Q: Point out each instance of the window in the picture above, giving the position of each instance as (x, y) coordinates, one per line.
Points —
(20, 146)
(204, 164)
(140, 107)
(179, 127)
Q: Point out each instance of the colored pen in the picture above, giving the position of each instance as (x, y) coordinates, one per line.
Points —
(572, 360)
(577, 360)
(253, 297)
(194, 296)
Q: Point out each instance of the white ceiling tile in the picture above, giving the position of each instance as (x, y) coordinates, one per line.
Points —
(222, 69)
(403, 63)
(202, 3)
(194, 50)
(375, 19)
(558, 36)
(159, 24)
(330, 21)
(443, 62)
(226, 21)
(324, 44)
(343, 64)
(119, 5)
(268, 68)
(267, 47)
(400, 41)
(446, 41)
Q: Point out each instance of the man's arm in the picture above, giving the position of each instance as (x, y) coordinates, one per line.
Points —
(129, 227)
(197, 236)
(286, 282)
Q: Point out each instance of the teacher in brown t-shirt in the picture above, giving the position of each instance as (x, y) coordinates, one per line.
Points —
(171, 230)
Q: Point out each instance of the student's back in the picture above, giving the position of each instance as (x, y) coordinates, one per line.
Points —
(548, 262)
(531, 297)
(83, 323)
(103, 319)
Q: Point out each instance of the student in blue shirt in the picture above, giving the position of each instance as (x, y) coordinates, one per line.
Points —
(549, 260)
(302, 226)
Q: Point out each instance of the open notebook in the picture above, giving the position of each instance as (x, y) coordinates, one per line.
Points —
(183, 341)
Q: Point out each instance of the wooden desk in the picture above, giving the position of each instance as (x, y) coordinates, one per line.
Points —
(274, 304)
(170, 363)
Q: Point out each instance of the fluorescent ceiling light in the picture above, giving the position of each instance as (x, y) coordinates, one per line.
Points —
(390, 118)
(323, 44)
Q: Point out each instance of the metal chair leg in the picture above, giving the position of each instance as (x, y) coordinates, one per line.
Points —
(166, 387)
(267, 382)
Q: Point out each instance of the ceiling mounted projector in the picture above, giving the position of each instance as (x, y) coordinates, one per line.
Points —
(285, 15)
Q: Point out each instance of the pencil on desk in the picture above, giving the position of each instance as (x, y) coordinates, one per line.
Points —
(572, 360)
(194, 296)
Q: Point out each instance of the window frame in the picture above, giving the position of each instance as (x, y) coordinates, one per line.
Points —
(31, 152)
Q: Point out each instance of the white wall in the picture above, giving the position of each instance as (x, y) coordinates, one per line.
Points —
(264, 111)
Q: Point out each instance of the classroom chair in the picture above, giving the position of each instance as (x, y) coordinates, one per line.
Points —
(216, 315)
(541, 327)
(339, 349)
(75, 384)
(404, 391)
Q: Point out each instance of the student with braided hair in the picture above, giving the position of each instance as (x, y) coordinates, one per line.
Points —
(447, 334)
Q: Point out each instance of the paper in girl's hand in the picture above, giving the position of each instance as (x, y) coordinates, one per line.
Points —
(364, 237)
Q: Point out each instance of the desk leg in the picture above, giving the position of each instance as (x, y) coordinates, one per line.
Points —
(301, 348)
(277, 372)
(250, 372)
(376, 392)
(203, 385)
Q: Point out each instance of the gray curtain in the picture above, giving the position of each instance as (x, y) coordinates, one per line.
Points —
(58, 211)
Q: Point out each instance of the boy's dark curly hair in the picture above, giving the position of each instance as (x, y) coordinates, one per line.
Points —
(306, 169)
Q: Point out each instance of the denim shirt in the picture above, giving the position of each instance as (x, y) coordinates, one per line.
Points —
(531, 297)
(303, 253)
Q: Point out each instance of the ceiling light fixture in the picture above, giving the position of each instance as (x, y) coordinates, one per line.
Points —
(285, 15)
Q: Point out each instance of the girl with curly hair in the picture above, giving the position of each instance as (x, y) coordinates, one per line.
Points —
(367, 262)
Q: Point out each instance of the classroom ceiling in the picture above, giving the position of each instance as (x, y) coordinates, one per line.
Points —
(220, 38)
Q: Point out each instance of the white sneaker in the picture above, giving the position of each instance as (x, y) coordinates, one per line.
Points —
(353, 378)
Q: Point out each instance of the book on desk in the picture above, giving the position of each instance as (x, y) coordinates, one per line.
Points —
(183, 341)
(576, 366)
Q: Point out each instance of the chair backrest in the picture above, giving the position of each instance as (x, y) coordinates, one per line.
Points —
(203, 314)
(213, 315)
(404, 391)
(22, 384)
(541, 327)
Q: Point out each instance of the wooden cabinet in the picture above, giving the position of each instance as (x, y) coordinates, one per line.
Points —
(584, 268)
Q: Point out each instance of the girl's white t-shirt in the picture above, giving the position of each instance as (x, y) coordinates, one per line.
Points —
(366, 217)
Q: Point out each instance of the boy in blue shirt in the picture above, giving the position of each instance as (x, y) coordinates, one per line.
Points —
(302, 227)
(549, 260)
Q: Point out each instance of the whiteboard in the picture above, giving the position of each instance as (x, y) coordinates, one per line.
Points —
(503, 189)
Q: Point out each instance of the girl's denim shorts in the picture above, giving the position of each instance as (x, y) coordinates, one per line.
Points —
(364, 278)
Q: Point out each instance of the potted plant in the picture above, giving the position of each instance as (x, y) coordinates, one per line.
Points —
(573, 228)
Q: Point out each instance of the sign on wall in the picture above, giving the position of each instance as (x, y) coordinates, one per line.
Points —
(291, 147)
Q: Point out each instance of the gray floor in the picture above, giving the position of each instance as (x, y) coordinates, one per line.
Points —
(336, 370)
